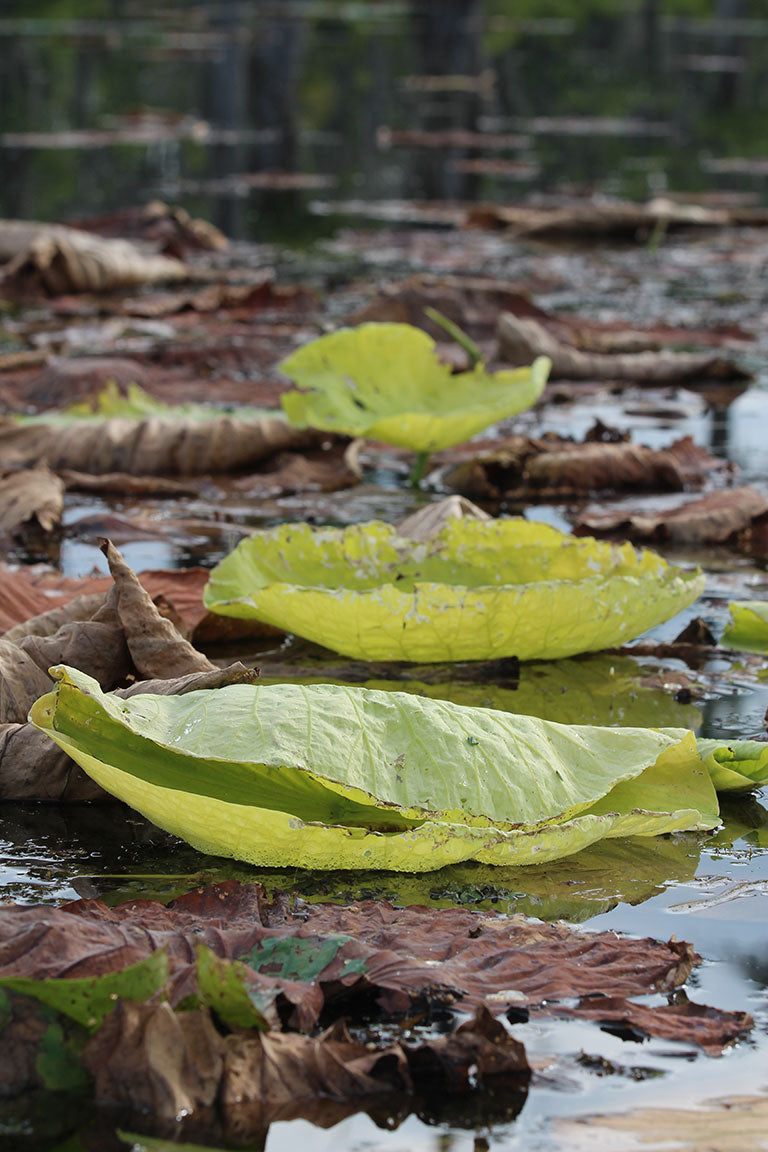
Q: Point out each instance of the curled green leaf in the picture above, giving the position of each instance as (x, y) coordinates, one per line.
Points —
(735, 767)
(325, 776)
(478, 590)
(749, 628)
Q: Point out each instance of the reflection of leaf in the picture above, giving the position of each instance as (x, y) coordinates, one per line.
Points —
(332, 777)
(385, 382)
(597, 689)
(479, 589)
(593, 881)
(749, 630)
(735, 767)
(744, 818)
(737, 1124)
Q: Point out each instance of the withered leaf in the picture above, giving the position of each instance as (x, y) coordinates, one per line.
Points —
(404, 958)
(55, 259)
(714, 518)
(122, 635)
(522, 339)
(686, 1022)
(522, 467)
(34, 494)
(607, 217)
(155, 446)
(156, 647)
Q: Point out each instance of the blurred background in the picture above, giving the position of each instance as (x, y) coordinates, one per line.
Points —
(275, 119)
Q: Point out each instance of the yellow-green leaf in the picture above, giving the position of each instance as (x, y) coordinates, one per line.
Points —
(331, 777)
(478, 590)
(735, 767)
(384, 381)
(749, 629)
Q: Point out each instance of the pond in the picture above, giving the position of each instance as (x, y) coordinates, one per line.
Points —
(302, 129)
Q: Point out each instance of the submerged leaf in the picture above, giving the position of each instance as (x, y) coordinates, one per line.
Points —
(222, 988)
(749, 630)
(332, 777)
(384, 381)
(478, 590)
(88, 999)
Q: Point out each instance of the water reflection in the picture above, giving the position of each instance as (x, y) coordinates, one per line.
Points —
(135, 102)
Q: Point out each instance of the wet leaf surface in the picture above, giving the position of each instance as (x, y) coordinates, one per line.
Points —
(102, 967)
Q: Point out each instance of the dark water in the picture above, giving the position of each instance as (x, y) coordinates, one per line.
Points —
(109, 103)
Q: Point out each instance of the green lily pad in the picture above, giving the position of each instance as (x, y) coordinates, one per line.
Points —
(749, 629)
(332, 777)
(385, 382)
(478, 590)
(735, 767)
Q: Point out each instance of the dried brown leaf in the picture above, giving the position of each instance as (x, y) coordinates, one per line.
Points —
(31, 495)
(33, 768)
(526, 468)
(56, 259)
(521, 339)
(151, 447)
(432, 518)
(607, 217)
(405, 958)
(156, 647)
(714, 518)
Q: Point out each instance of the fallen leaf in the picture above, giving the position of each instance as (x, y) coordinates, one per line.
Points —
(684, 1021)
(607, 217)
(63, 380)
(123, 484)
(525, 468)
(112, 636)
(472, 302)
(156, 648)
(328, 467)
(259, 293)
(404, 959)
(55, 259)
(25, 596)
(522, 339)
(152, 446)
(159, 222)
(31, 495)
(718, 517)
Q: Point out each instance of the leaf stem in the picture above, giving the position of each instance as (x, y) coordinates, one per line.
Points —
(466, 342)
(419, 468)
